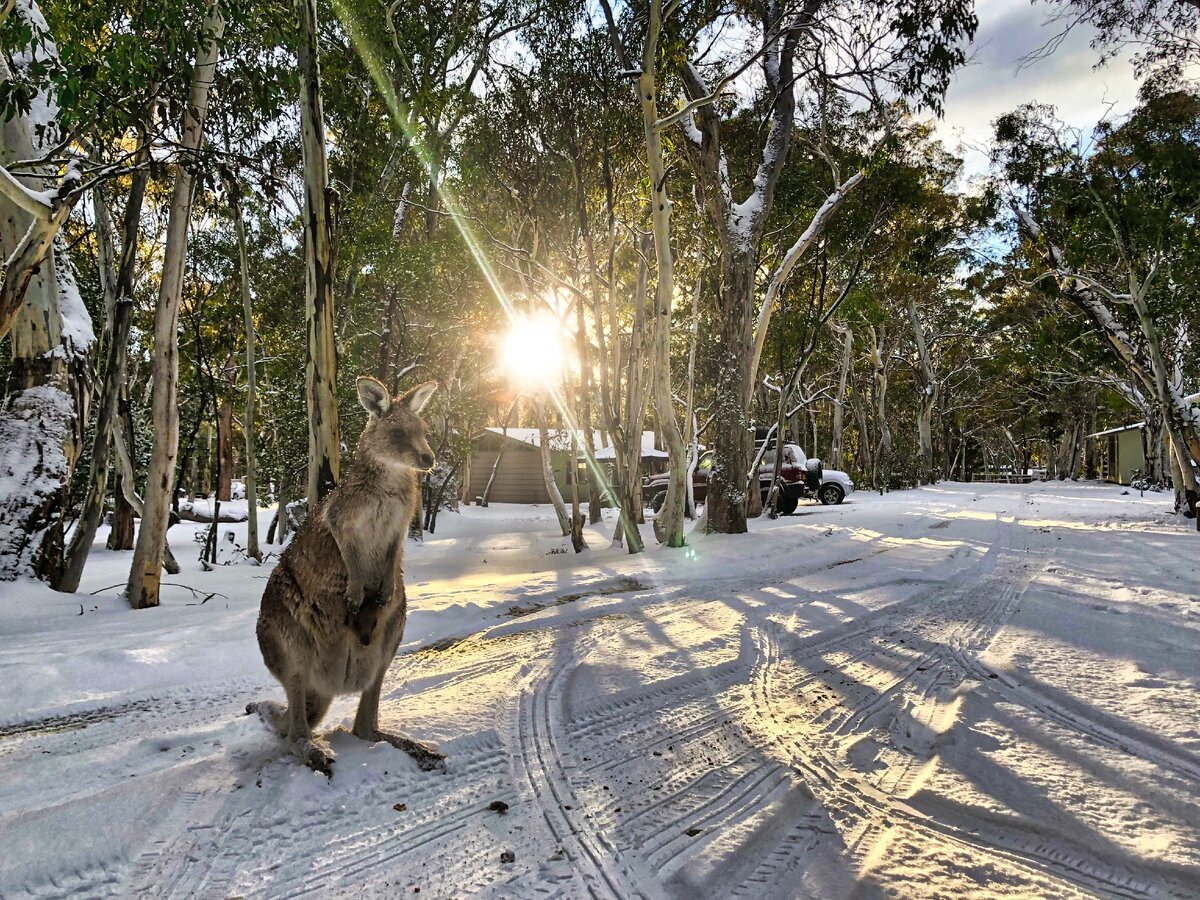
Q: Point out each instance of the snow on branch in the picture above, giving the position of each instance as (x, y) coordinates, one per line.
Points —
(815, 227)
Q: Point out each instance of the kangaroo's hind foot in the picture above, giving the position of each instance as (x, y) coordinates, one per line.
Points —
(313, 751)
(426, 758)
(318, 756)
(273, 713)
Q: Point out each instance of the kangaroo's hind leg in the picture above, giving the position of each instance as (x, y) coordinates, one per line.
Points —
(366, 727)
(314, 751)
(315, 707)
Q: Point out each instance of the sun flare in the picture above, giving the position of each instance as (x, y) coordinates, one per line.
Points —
(531, 352)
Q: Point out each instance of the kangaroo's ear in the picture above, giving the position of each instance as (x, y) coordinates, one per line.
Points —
(373, 395)
(416, 399)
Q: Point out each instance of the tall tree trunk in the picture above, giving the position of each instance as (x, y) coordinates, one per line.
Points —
(252, 549)
(144, 575)
(927, 396)
(589, 435)
(689, 417)
(627, 440)
(383, 366)
(117, 278)
(320, 210)
(552, 491)
(225, 451)
(839, 404)
(669, 522)
(881, 473)
(50, 332)
(739, 228)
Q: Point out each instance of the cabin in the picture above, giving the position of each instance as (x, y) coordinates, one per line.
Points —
(519, 476)
(1122, 450)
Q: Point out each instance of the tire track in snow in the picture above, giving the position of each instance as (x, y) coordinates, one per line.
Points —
(206, 702)
(544, 771)
(865, 813)
(699, 797)
(866, 809)
(1001, 683)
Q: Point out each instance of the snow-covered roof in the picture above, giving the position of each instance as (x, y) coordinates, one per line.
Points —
(1190, 398)
(1118, 429)
(648, 452)
(559, 438)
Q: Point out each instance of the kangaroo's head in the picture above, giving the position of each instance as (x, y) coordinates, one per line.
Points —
(394, 434)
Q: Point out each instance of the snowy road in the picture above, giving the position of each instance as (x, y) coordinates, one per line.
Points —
(973, 690)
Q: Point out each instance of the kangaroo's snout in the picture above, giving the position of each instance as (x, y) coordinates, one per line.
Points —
(426, 460)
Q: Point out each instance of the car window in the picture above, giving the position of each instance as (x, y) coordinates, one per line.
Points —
(769, 458)
(789, 455)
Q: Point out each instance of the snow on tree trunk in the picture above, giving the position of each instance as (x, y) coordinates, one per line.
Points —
(50, 332)
(144, 575)
(739, 229)
(320, 203)
(1144, 360)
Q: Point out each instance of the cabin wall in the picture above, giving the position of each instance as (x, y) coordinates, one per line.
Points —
(519, 478)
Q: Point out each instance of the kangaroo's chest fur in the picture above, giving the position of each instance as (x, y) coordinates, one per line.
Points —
(377, 523)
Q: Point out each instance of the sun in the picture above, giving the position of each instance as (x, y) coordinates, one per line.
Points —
(531, 351)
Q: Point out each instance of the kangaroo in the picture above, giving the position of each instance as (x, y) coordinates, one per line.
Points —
(333, 611)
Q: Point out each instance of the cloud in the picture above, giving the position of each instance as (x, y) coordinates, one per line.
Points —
(996, 81)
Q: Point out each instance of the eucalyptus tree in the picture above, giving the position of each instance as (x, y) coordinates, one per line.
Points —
(1164, 34)
(142, 589)
(81, 106)
(1112, 226)
(559, 191)
(876, 51)
(41, 310)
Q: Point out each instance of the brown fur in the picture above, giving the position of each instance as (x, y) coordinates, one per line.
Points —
(333, 611)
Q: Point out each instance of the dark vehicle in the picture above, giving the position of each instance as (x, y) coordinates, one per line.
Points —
(802, 479)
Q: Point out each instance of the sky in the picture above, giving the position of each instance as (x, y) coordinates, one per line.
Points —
(995, 81)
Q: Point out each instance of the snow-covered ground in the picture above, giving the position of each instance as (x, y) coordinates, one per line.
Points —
(974, 690)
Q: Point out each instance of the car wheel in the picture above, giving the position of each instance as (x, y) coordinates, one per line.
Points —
(786, 505)
(657, 501)
(831, 494)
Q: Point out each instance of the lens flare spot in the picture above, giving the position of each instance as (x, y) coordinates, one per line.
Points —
(531, 351)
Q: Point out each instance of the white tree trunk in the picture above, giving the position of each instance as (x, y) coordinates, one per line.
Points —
(927, 390)
(319, 259)
(669, 522)
(839, 404)
(794, 254)
(552, 491)
(50, 335)
(143, 587)
(252, 549)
